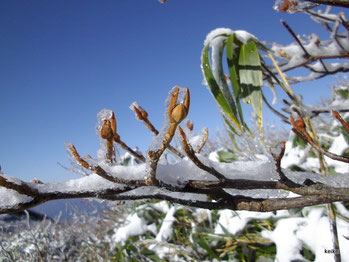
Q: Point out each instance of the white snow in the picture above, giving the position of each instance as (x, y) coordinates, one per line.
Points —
(91, 183)
(11, 198)
(165, 230)
(313, 230)
(242, 35)
(235, 221)
(134, 226)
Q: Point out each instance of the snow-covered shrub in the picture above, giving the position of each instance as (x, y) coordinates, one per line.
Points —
(249, 176)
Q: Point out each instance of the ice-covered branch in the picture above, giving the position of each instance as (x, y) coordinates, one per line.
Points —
(186, 183)
(320, 57)
(300, 129)
(339, 3)
(195, 180)
(94, 186)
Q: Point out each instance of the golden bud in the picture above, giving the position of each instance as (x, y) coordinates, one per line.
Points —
(106, 130)
(113, 123)
(177, 112)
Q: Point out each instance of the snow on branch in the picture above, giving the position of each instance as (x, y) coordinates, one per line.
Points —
(319, 57)
(192, 180)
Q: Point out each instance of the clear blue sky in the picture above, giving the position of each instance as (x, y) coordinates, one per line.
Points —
(63, 61)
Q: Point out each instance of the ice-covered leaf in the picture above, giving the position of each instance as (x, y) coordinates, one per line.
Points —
(215, 90)
(251, 78)
(234, 80)
(250, 72)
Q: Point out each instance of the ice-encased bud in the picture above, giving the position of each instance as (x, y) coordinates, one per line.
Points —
(139, 111)
(292, 6)
(177, 112)
(106, 130)
(104, 114)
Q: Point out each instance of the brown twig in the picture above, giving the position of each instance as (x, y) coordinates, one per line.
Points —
(19, 186)
(198, 150)
(191, 154)
(300, 130)
(339, 3)
(341, 120)
(78, 158)
(101, 172)
(278, 159)
(128, 149)
(142, 115)
(288, 28)
(306, 54)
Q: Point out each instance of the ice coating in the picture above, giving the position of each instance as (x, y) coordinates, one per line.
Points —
(242, 35)
(335, 46)
(11, 179)
(133, 106)
(217, 45)
(297, 6)
(90, 183)
(177, 174)
(102, 115)
(102, 151)
(197, 140)
(75, 165)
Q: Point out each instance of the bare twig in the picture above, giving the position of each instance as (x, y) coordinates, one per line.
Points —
(339, 3)
(142, 115)
(340, 119)
(128, 149)
(198, 150)
(101, 172)
(191, 154)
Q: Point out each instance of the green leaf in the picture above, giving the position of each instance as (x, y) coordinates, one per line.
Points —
(232, 65)
(250, 72)
(297, 141)
(343, 93)
(251, 78)
(151, 255)
(226, 156)
(296, 168)
(214, 88)
(205, 246)
(217, 53)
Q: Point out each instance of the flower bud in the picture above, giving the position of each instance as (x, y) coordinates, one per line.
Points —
(177, 112)
(113, 123)
(106, 130)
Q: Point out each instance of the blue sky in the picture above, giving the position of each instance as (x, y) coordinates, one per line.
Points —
(63, 61)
